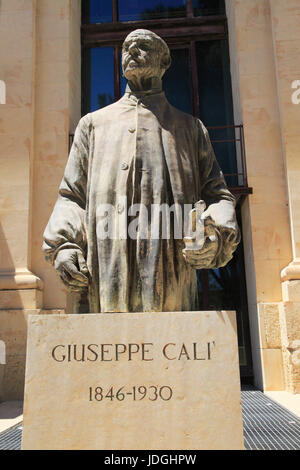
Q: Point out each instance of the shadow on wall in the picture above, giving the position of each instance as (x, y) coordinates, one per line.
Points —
(11, 410)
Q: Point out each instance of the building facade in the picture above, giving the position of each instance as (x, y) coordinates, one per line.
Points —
(236, 66)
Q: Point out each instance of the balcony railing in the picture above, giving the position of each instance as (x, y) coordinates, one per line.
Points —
(232, 146)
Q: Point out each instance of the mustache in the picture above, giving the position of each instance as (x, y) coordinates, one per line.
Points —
(130, 58)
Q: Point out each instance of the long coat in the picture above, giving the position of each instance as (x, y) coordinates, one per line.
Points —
(144, 151)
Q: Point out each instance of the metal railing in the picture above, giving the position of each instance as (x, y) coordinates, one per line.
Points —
(238, 140)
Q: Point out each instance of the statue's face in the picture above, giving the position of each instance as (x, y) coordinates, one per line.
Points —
(141, 56)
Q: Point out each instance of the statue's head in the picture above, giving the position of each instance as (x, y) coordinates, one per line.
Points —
(144, 55)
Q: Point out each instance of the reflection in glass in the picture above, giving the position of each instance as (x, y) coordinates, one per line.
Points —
(226, 290)
(215, 102)
(177, 81)
(209, 7)
(102, 77)
(133, 10)
(97, 11)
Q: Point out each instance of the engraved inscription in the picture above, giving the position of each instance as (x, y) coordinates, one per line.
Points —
(108, 352)
(136, 393)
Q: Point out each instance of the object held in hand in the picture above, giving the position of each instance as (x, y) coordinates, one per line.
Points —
(195, 238)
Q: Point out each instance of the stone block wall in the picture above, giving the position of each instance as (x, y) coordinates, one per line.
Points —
(41, 67)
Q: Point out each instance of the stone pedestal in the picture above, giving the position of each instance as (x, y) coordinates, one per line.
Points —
(290, 325)
(290, 333)
(133, 381)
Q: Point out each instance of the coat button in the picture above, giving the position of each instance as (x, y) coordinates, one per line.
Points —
(120, 208)
(124, 166)
(131, 129)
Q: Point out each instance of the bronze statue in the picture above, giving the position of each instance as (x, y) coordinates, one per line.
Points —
(134, 155)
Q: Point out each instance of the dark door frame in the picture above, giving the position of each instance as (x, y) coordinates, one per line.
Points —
(177, 32)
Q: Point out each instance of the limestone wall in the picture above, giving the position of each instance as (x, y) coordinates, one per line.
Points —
(39, 53)
(264, 49)
(285, 18)
(57, 112)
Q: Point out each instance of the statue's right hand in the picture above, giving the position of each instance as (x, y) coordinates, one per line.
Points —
(72, 268)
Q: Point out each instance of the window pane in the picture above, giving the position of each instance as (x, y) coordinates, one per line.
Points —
(209, 7)
(100, 11)
(215, 102)
(226, 290)
(102, 77)
(177, 81)
(123, 79)
(133, 10)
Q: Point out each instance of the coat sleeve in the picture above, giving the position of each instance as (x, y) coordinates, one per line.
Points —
(66, 226)
(219, 201)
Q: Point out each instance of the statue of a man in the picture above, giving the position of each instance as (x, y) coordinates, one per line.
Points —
(139, 152)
